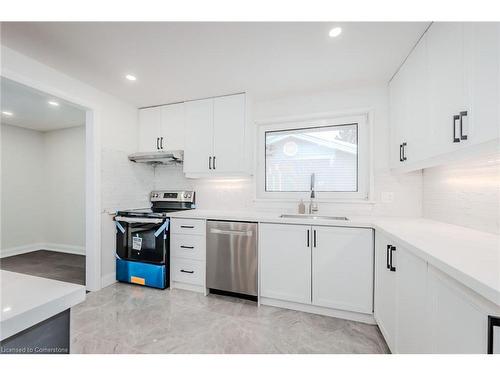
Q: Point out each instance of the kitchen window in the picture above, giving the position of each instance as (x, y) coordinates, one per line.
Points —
(335, 150)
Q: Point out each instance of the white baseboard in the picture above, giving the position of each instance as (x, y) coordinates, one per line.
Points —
(190, 287)
(16, 250)
(349, 315)
(70, 249)
(108, 279)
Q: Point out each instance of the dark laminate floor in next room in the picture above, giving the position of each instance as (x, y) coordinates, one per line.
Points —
(48, 264)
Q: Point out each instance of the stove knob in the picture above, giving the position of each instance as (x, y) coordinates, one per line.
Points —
(185, 195)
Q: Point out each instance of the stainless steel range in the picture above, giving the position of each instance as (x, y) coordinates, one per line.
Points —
(142, 238)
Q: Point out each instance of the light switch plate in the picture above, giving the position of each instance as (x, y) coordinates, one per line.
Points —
(387, 197)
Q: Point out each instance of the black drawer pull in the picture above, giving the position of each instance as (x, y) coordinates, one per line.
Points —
(455, 138)
(187, 271)
(187, 226)
(187, 247)
(391, 267)
(388, 265)
(462, 136)
(493, 321)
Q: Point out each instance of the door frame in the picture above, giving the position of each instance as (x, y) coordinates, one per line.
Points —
(92, 175)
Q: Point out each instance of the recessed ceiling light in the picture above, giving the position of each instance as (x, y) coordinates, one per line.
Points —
(130, 77)
(336, 31)
(53, 103)
(7, 113)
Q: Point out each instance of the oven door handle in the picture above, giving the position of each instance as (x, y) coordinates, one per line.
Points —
(138, 220)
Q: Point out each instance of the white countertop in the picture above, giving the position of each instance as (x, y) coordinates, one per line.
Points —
(27, 300)
(471, 257)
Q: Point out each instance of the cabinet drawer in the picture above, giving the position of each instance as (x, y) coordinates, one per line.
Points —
(187, 246)
(188, 271)
(188, 226)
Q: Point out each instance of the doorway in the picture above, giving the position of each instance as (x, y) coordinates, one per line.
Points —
(43, 174)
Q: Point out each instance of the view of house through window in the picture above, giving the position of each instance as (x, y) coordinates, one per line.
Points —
(330, 152)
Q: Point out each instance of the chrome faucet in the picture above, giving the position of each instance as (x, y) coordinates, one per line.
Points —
(313, 206)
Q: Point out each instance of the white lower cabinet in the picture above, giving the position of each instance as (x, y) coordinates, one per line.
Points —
(188, 254)
(285, 262)
(385, 290)
(411, 278)
(459, 320)
(327, 267)
(342, 268)
(419, 309)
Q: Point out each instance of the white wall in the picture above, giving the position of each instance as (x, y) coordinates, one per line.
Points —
(111, 137)
(22, 188)
(465, 193)
(43, 190)
(240, 193)
(64, 182)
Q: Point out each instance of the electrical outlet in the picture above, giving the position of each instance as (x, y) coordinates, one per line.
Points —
(387, 197)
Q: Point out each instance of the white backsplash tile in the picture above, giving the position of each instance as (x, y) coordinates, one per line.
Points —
(466, 193)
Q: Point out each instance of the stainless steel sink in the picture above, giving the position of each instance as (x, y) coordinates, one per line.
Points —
(313, 217)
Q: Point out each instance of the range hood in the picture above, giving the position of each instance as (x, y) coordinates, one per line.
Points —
(158, 157)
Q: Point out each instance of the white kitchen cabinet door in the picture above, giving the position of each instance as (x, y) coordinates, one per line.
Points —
(482, 50)
(398, 115)
(447, 91)
(172, 127)
(417, 131)
(385, 290)
(229, 133)
(149, 129)
(458, 317)
(285, 262)
(198, 150)
(342, 268)
(412, 311)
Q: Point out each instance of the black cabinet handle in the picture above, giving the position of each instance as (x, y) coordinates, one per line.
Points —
(308, 232)
(187, 271)
(388, 265)
(455, 118)
(314, 237)
(209, 162)
(462, 136)
(404, 151)
(493, 321)
(401, 152)
(187, 247)
(214, 163)
(157, 145)
(161, 143)
(187, 226)
(391, 267)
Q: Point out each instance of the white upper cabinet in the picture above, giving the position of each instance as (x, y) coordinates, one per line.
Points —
(482, 58)
(447, 92)
(198, 152)
(172, 126)
(229, 133)
(216, 137)
(161, 128)
(149, 129)
(445, 96)
(342, 268)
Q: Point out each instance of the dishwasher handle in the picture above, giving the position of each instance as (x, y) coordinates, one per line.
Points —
(246, 233)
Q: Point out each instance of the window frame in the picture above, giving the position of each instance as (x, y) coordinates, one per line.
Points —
(364, 165)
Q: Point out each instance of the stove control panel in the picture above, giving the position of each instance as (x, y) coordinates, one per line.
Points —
(172, 196)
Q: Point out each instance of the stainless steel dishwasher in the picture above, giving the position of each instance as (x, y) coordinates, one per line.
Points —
(232, 256)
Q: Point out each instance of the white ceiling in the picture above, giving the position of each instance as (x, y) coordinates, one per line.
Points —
(30, 108)
(179, 61)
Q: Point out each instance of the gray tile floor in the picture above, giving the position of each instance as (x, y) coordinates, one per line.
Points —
(48, 264)
(125, 318)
